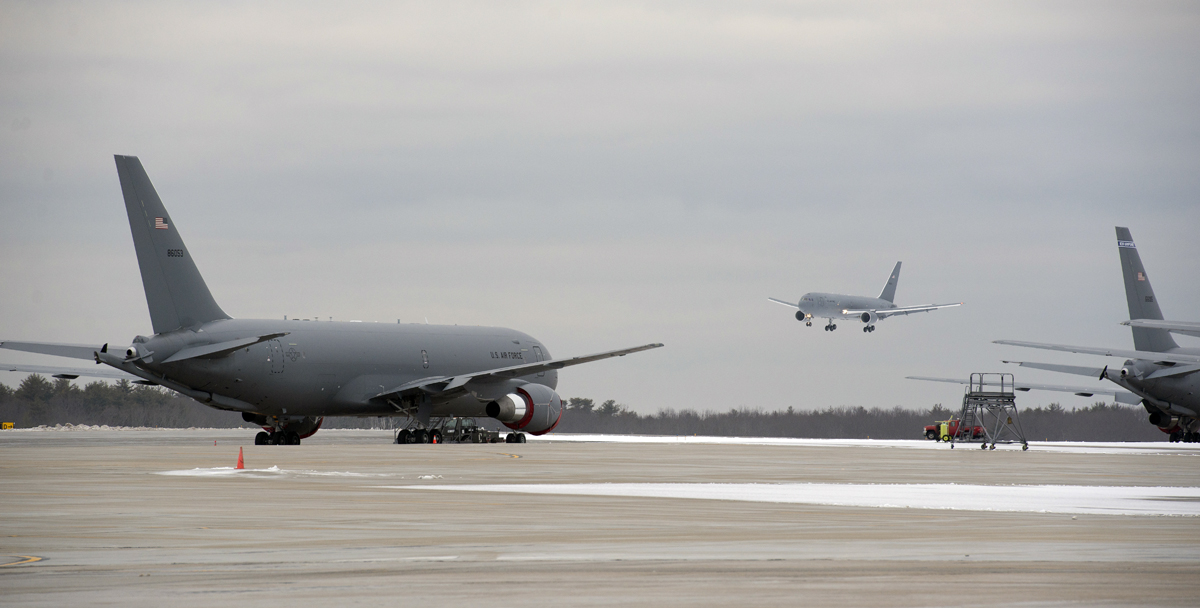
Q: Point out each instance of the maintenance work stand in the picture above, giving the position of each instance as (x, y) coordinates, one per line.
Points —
(991, 403)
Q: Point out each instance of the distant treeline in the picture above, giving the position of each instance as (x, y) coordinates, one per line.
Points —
(37, 401)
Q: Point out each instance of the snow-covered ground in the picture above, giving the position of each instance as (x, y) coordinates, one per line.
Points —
(1131, 447)
(1097, 500)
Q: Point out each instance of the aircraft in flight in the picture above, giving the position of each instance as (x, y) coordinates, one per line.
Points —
(869, 310)
(1158, 371)
(286, 376)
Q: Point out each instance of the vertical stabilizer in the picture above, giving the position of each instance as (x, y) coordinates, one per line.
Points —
(1142, 303)
(889, 290)
(175, 291)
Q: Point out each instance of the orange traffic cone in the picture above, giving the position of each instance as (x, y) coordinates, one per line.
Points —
(241, 463)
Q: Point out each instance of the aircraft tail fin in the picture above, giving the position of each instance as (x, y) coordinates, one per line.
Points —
(1142, 303)
(889, 290)
(175, 291)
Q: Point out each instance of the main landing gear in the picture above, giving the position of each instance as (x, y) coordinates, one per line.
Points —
(868, 329)
(418, 436)
(277, 438)
(832, 326)
(1185, 437)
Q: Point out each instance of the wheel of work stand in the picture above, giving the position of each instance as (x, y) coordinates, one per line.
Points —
(983, 445)
(946, 438)
(1025, 447)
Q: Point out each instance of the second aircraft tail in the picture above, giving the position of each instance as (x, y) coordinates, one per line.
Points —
(1139, 294)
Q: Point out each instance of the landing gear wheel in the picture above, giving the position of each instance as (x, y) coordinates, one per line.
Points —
(262, 438)
(420, 436)
(435, 437)
(808, 323)
(520, 438)
(404, 436)
(275, 438)
(833, 327)
(291, 438)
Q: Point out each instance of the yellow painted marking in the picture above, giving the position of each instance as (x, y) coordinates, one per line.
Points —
(25, 559)
(510, 455)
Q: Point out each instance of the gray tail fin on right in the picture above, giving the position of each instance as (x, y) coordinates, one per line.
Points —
(175, 291)
(889, 290)
(1142, 304)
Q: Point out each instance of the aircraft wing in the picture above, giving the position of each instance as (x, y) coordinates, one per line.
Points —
(884, 313)
(1108, 352)
(1066, 369)
(70, 373)
(784, 303)
(442, 384)
(75, 351)
(1118, 395)
(1180, 327)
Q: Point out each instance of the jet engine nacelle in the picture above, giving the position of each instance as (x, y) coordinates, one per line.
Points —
(800, 316)
(1164, 421)
(869, 317)
(532, 408)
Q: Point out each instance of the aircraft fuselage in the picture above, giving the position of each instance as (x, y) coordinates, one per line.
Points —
(833, 305)
(322, 368)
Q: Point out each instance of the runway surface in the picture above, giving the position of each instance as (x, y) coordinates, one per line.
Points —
(154, 517)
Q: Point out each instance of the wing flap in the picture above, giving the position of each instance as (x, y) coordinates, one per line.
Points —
(1107, 352)
(70, 373)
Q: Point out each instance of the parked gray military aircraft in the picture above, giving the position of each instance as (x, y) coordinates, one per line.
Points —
(287, 375)
(869, 310)
(1158, 371)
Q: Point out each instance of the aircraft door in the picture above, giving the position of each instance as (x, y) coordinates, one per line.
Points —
(537, 356)
(275, 356)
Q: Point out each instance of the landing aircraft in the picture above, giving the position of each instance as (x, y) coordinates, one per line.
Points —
(1158, 371)
(286, 376)
(869, 310)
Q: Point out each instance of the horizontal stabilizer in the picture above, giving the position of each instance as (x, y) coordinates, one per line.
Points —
(74, 351)
(219, 349)
(448, 383)
(1186, 328)
(1107, 352)
(70, 373)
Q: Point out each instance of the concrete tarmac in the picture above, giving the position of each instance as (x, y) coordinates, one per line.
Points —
(336, 522)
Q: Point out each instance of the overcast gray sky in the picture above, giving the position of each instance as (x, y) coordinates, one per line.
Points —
(608, 174)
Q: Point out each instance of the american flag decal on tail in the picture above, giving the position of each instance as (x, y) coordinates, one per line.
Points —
(160, 223)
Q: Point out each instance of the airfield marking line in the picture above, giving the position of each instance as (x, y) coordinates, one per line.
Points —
(26, 559)
(509, 455)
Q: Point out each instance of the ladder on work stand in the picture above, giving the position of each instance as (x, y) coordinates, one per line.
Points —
(990, 402)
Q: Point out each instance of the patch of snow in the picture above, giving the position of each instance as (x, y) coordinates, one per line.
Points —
(1093, 500)
(1115, 447)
